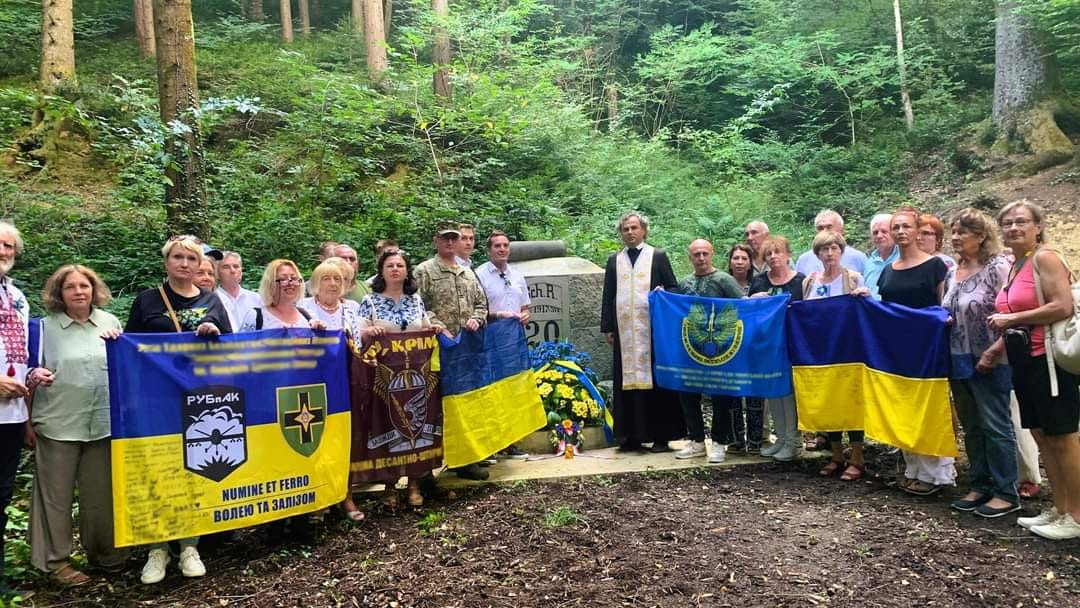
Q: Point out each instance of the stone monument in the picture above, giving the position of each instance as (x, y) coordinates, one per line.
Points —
(565, 292)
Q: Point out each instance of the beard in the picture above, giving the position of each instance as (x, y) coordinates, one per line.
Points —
(5, 266)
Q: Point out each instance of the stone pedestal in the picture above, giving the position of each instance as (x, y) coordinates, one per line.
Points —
(565, 294)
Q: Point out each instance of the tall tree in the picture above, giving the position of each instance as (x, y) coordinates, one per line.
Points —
(1028, 96)
(255, 11)
(57, 43)
(286, 20)
(440, 49)
(901, 64)
(388, 14)
(178, 94)
(375, 39)
(144, 27)
(305, 18)
(357, 15)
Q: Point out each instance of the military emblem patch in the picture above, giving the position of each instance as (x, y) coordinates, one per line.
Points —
(215, 440)
(712, 339)
(302, 416)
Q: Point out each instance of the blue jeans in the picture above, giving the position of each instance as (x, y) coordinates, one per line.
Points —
(982, 403)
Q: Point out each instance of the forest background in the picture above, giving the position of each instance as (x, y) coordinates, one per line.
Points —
(553, 118)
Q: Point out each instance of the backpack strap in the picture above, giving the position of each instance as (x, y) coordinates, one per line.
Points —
(258, 318)
(307, 315)
(168, 307)
(1048, 337)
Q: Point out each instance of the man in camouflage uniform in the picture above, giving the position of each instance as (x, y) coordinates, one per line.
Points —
(454, 297)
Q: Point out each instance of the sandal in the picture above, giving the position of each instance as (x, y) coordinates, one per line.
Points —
(921, 488)
(416, 499)
(830, 469)
(1028, 489)
(853, 472)
(68, 576)
(354, 516)
(819, 442)
(390, 497)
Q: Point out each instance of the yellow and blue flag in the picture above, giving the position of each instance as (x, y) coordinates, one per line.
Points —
(720, 346)
(489, 392)
(217, 434)
(862, 364)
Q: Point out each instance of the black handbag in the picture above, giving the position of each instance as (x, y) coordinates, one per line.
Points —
(1018, 346)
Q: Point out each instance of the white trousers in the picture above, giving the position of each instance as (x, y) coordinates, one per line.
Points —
(937, 470)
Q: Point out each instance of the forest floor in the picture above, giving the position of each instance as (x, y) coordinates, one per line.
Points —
(756, 535)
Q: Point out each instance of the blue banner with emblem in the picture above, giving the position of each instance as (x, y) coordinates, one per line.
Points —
(720, 346)
(217, 434)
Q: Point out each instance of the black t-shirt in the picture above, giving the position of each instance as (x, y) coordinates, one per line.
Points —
(149, 315)
(761, 283)
(915, 287)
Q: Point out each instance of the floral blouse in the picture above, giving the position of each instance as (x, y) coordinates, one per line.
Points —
(969, 302)
(377, 309)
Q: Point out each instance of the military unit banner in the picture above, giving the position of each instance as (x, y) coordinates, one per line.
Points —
(397, 408)
(217, 434)
(720, 346)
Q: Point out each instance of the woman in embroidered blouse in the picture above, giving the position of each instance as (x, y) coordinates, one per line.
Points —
(1052, 418)
(835, 280)
(327, 303)
(70, 432)
(747, 435)
(980, 385)
(281, 287)
(394, 306)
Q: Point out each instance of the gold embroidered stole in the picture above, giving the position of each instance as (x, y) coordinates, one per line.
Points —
(632, 310)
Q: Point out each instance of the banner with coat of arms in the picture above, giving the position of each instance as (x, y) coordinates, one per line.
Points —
(398, 414)
(719, 346)
(217, 434)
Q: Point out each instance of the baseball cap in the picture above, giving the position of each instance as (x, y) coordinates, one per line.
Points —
(211, 252)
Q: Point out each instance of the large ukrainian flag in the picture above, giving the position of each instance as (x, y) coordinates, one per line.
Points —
(488, 392)
(862, 364)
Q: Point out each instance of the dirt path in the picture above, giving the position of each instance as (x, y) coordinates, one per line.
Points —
(764, 535)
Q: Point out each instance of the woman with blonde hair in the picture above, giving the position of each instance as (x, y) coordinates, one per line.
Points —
(1036, 295)
(69, 430)
(280, 288)
(327, 302)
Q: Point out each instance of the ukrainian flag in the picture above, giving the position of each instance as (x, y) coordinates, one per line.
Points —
(488, 392)
(862, 364)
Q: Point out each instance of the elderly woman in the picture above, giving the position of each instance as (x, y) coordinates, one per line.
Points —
(205, 276)
(778, 280)
(328, 303)
(280, 288)
(980, 386)
(394, 306)
(917, 280)
(835, 280)
(70, 427)
(1052, 418)
(177, 305)
(747, 434)
(931, 236)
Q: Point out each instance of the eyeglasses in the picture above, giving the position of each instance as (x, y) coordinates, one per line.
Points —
(506, 279)
(288, 281)
(1019, 223)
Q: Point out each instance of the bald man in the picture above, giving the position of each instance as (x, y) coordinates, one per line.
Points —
(708, 282)
(756, 233)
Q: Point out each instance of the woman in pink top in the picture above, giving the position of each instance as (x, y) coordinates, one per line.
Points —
(1052, 420)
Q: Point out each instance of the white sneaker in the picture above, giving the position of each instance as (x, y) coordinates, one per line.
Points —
(692, 450)
(788, 451)
(717, 453)
(154, 570)
(1065, 527)
(190, 563)
(1048, 516)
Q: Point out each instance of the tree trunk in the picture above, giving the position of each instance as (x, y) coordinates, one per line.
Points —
(387, 13)
(305, 19)
(255, 11)
(144, 27)
(905, 95)
(1028, 96)
(316, 11)
(57, 44)
(357, 14)
(440, 50)
(178, 93)
(375, 39)
(286, 20)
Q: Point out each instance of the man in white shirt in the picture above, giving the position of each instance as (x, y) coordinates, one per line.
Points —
(507, 294)
(466, 244)
(14, 327)
(236, 299)
(852, 259)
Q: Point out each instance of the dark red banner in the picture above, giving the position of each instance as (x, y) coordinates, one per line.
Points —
(396, 407)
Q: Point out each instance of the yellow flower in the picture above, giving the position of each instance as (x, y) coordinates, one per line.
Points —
(544, 389)
(594, 410)
(569, 377)
(584, 395)
(567, 424)
(565, 391)
(580, 409)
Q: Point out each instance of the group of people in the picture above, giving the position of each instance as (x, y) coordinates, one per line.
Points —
(58, 405)
(1010, 402)
(998, 300)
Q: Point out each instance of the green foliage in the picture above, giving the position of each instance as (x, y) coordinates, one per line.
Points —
(563, 516)
(431, 523)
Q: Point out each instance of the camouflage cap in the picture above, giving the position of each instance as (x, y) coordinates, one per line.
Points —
(447, 229)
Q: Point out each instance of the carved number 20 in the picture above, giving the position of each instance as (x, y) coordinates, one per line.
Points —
(551, 331)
